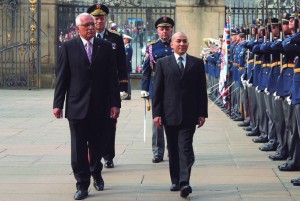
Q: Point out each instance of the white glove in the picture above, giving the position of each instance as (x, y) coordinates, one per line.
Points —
(289, 101)
(144, 94)
(257, 90)
(244, 82)
(266, 91)
(277, 97)
(123, 95)
(242, 77)
(249, 84)
(275, 94)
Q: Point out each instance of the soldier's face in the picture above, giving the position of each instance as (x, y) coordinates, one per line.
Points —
(285, 28)
(164, 33)
(86, 28)
(179, 43)
(292, 23)
(100, 22)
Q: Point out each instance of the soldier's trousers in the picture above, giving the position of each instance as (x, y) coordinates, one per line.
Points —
(263, 118)
(109, 152)
(279, 126)
(253, 109)
(292, 135)
(158, 141)
(270, 113)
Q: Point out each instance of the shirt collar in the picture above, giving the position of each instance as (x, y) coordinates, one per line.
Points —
(177, 56)
(85, 41)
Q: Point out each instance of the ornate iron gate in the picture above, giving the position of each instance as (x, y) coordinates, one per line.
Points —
(19, 44)
(136, 20)
(243, 14)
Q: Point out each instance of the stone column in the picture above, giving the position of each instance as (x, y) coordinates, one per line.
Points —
(200, 19)
(48, 42)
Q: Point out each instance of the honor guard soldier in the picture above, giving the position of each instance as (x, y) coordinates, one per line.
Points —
(283, 86)
(155, 50)
(100, 12)
(128, 51)
(292, 137)
(274, 72)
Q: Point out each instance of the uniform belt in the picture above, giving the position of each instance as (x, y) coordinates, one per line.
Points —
(219, 64)
(123, 81)
(266, 65)
(241, 68)
(152, 74)
(277, 63)
(251, 61)
(258, 62)
(291, 65)
(297, 70)
(236, 64)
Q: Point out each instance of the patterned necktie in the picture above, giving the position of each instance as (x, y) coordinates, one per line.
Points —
(89, 50)
(180, 64)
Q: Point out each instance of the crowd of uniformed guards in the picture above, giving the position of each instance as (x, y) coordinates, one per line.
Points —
(264, 85)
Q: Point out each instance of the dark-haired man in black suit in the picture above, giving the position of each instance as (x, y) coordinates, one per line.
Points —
(179, 104)
(86, 78)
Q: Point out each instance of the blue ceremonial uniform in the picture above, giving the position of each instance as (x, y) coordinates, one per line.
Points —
(285, 79)
(154, 51)
(257, 65)
(241, 61)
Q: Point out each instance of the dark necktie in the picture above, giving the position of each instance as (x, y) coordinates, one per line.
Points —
(180, 64)
(99, 36)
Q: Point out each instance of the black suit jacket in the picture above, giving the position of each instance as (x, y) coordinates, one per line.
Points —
(179, 98)
(86, 86)
(118, 46)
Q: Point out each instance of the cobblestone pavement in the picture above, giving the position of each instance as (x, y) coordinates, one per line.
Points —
(35, 158)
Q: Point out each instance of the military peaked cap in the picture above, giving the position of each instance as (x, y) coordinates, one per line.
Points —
(98, 9)
(164, 22)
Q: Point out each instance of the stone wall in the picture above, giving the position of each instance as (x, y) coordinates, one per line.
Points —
(200, 19)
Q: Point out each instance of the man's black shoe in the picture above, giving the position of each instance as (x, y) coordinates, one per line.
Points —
(157, 160)
(268, 147)
(248, 128)
(174, 187)
(243, 124)
(251, 134)
(238, 119)
(287, 167)
(260, 140)
(109, 164)
(185, 191)
(295, 180)
(277, 157)
(99, 184)
(81, 194)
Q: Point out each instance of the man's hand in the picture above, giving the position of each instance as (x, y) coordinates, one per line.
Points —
(144, 94)
(58, 113)
(123, 95)
(201, 121)
(157, 122)
(114, 112)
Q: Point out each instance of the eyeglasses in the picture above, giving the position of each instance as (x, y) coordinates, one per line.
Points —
(87, 24)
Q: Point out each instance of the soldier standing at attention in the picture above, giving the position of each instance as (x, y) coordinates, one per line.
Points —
(128, 50)
(100, 12)
(155, 50)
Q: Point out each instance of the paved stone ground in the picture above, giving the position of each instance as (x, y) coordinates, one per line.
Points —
(35, 158)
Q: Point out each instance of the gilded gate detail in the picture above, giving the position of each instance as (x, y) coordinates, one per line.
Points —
(19, 44)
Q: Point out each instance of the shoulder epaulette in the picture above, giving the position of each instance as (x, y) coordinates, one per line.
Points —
(115, 32)
(152, 42)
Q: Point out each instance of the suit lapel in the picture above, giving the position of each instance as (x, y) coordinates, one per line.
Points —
(188, 64)
(82, 49)
(173, 62)
(96, 48)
